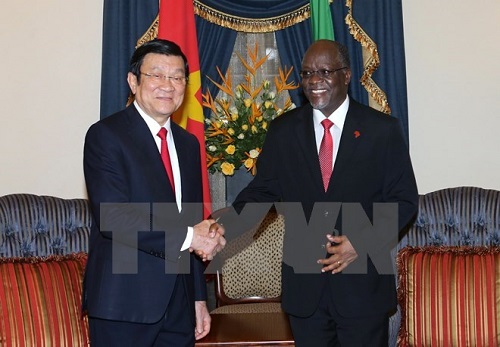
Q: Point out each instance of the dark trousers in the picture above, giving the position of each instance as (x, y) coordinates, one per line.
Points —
(176, 328)
(326, 328)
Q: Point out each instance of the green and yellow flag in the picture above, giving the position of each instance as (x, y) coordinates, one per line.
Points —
(321, 20)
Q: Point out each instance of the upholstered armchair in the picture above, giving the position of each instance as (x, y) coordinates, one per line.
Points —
(250, 280)
(462, 216)
(448, 271)
(43, 245)
(32, 225)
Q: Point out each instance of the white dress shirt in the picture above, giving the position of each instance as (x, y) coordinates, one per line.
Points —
(154, 127)
(338, 119)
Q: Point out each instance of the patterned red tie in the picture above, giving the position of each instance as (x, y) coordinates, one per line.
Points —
(165, 157)
(326, 153)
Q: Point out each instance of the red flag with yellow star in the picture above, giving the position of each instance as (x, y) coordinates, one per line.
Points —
(176, 23)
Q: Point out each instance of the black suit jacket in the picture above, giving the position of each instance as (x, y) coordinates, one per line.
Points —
(372, 165)
(135, 241)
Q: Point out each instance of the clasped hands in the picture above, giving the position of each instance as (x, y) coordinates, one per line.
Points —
(341, 251)
(208, 239)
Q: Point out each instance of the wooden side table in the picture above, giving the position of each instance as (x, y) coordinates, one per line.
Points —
(248, 329)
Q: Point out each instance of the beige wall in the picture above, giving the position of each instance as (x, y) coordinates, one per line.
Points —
(453, 71)
(49, 95)
(51, 58)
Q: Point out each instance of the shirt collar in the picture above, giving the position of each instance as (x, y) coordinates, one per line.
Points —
(153, 126)
(337, 117)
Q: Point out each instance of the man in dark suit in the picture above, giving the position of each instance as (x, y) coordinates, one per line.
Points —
(364, 160)
(142, 285)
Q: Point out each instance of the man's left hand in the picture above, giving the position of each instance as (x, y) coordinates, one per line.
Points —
(342, 254)
(203, 320)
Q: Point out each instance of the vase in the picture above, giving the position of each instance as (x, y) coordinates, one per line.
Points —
(224, 189)
(236, 183)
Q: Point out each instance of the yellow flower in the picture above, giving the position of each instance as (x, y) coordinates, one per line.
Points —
(254, 129)
(248, 163)
(230, 149)
(230, 131)
(244, 127)
(260, 118)
(268, 104)
(227, 168)
(248, 102)
(251, 160)
(264, 125)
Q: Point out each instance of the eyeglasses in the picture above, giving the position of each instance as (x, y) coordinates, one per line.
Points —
(157, 78)
(322, 73)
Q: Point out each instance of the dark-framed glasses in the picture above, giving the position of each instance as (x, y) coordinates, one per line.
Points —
(158, 78)
(322, 73)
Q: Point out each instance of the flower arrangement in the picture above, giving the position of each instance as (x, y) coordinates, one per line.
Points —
(239, 121)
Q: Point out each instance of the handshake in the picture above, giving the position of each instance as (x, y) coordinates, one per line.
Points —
(208, 239)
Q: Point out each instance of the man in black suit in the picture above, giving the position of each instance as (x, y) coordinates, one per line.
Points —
(142, 285)
(368, 164)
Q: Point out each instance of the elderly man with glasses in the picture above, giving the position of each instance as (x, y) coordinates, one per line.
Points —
(143, 286)
(329, 153)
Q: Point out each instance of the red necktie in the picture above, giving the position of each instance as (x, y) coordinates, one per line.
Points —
(326, 153)
(165, 157)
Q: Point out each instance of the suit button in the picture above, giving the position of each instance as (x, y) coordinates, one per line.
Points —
(326, 213)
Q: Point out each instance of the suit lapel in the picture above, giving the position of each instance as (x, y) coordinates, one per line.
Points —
(141, 136)
(305, 137)
(348, 143)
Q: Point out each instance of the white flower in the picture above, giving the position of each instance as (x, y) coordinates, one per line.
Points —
(212, 148)
(254, 153)
(238, 92)
(241, 136)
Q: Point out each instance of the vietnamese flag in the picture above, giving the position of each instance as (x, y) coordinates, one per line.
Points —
(176, 23)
